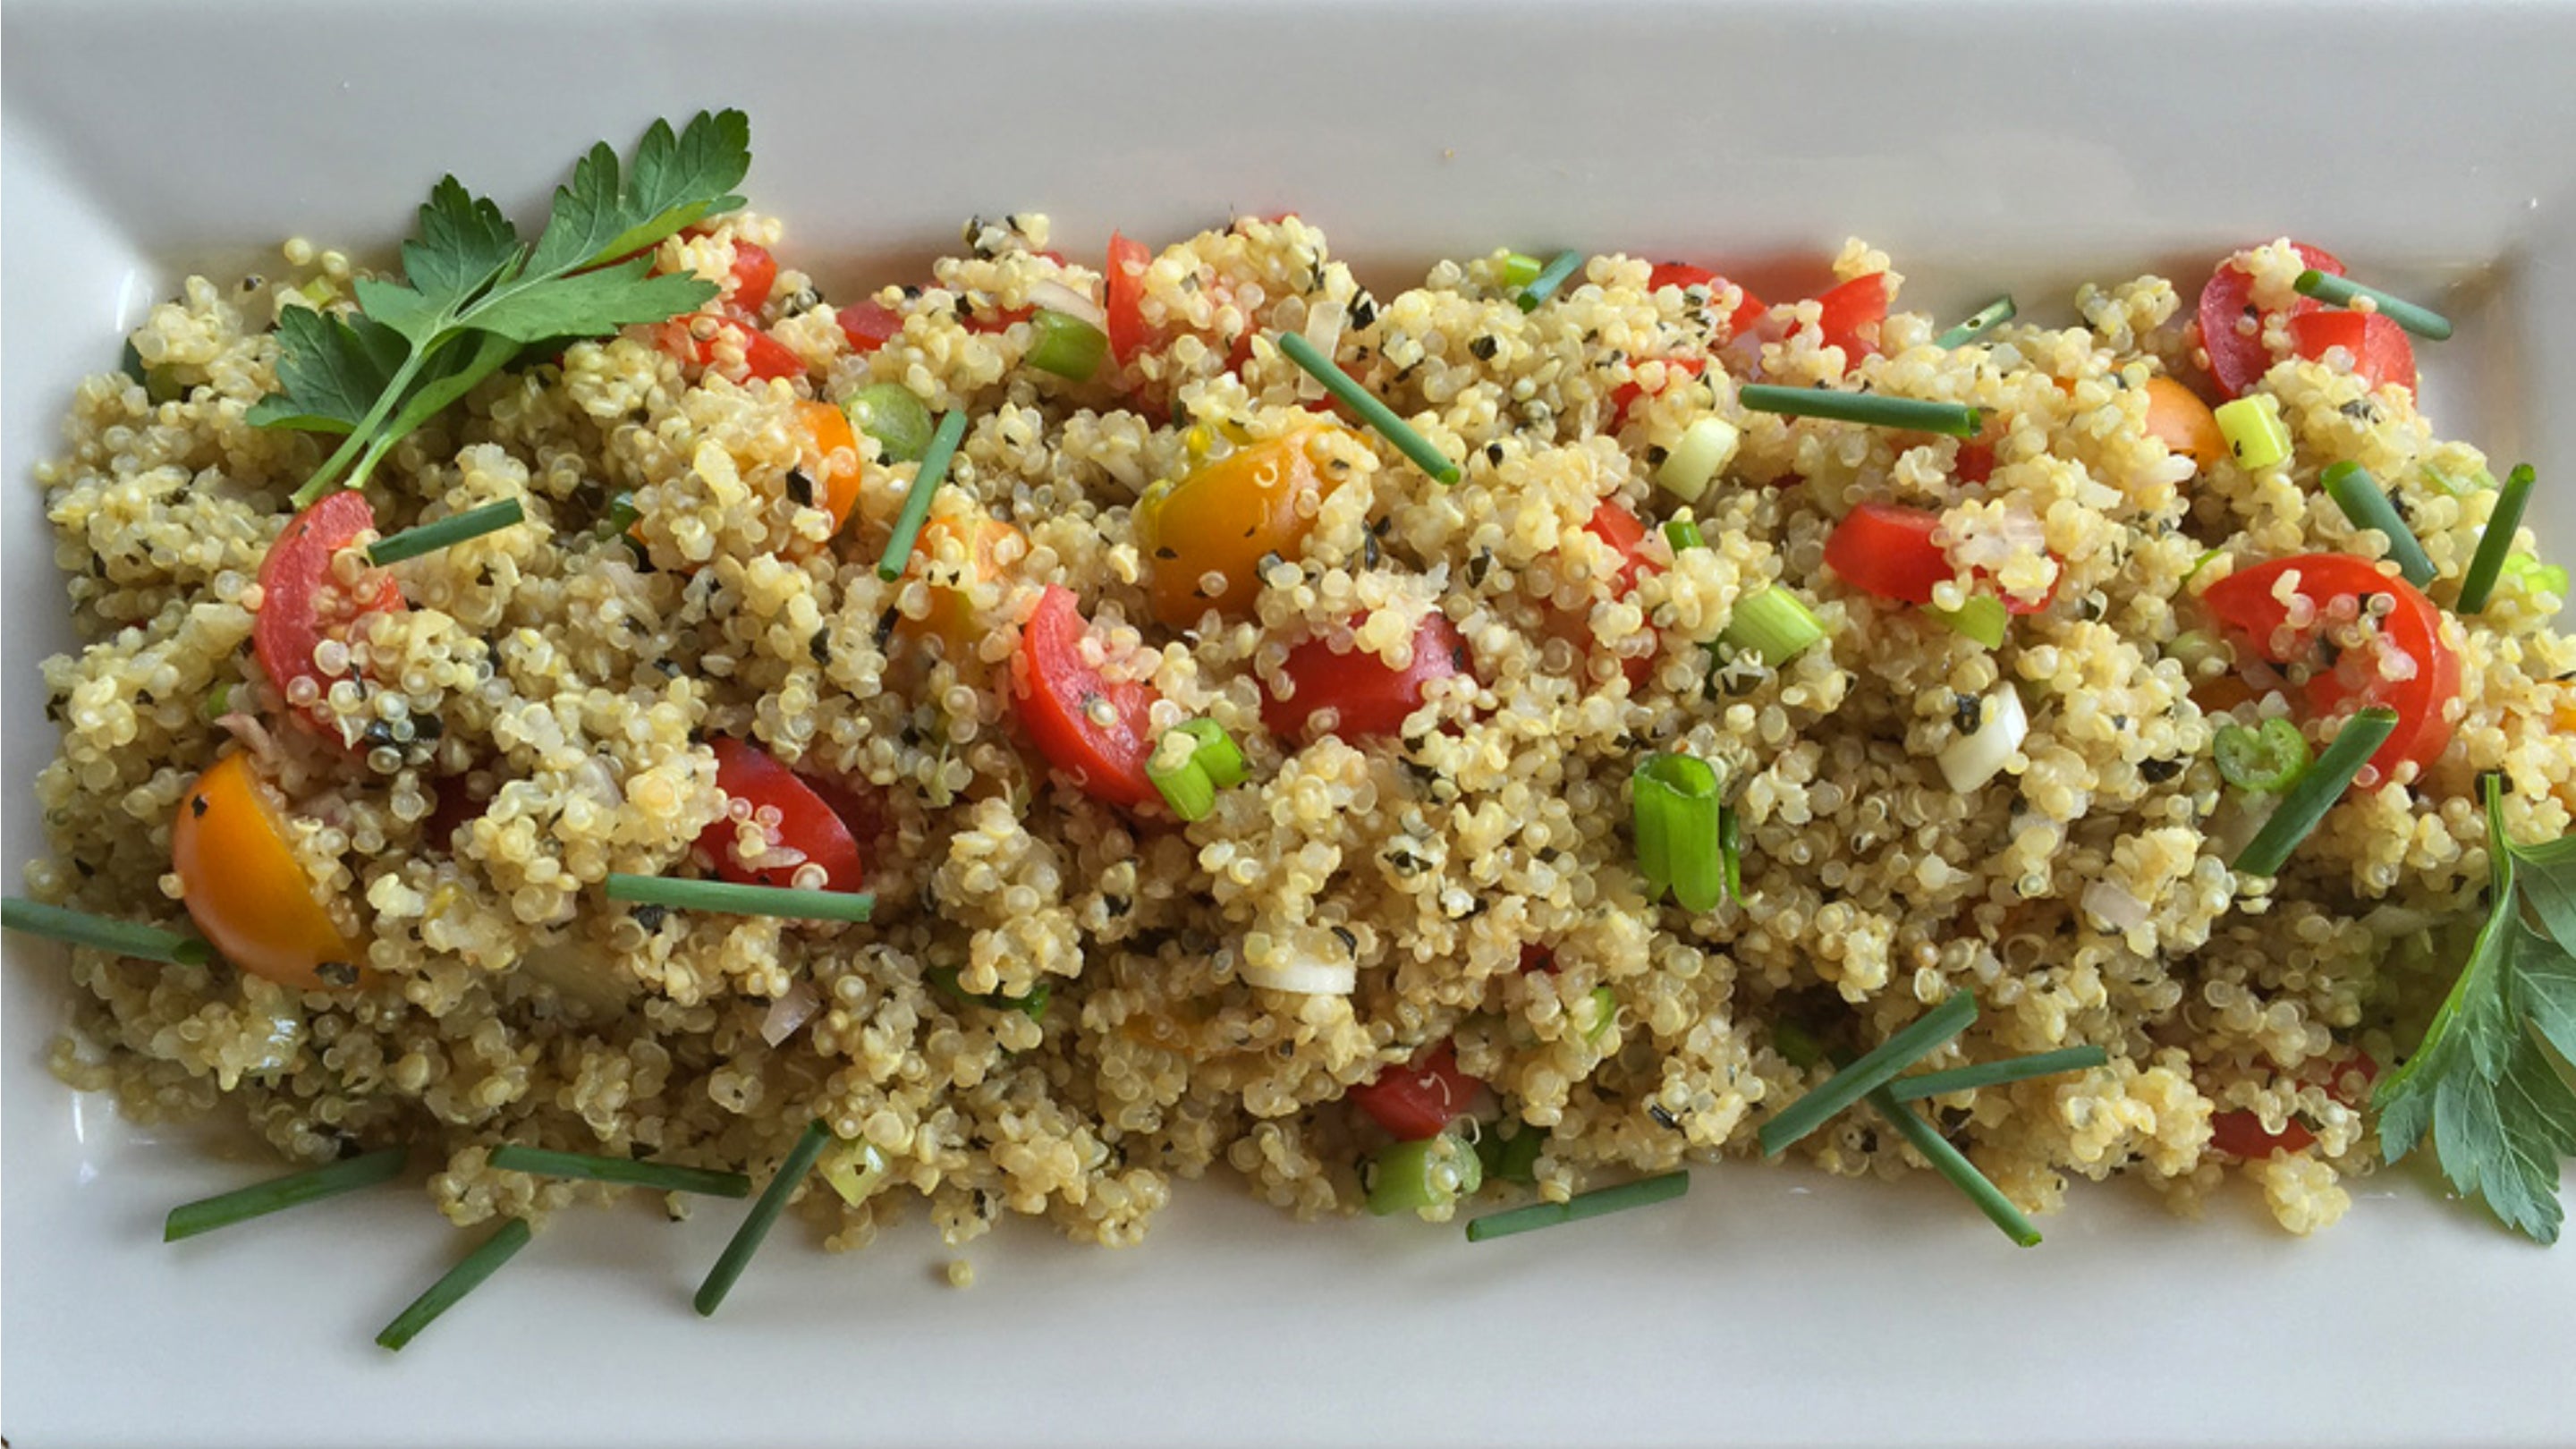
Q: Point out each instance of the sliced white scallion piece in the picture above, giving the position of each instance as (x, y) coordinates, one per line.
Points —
(1707, 446)
(1974, 758)
(1055, 296)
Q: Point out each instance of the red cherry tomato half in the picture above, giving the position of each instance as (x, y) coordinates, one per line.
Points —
(804, 823)
(1367, 698)
(1416, 1101)
(1125, 297)
(1625, 395)
(2379, 349)
(1626, 536)
(763, 357)
(1887, 550)
(302, 603)
(1535, 957)
(2346, 677)
(1091, 729)
(2237, 358)
(1748, 311)
(2239, 1133)
(869, 325)
(1852, 313)
(755, 271)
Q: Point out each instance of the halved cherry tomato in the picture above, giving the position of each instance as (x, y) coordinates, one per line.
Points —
(453, 809)
(2378, 346)
(1086, 726)
(951, 619)
(1626, 536)
(1852, 314)
(693, 340)
(804, 823)
(830, 456)
(1418, 1100)
(755, 271)
(2237, 358)
(2177, 418)
(1125, 297)
(1887, 549)
(1367, 698)
(302, 602)
(1535, 957)
(2239, 1132)
(1224, 518)
(2350, 676)
(245, 889)
(1748, 311)
(869, 325)
(1625, 395)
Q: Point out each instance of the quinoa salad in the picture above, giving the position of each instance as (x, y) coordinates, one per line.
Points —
(1054, 726)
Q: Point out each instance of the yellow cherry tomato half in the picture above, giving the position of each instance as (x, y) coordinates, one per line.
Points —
(1216, 525)
(245, 889)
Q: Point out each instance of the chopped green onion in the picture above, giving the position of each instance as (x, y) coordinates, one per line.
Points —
(1772, 625)
(2316, 793)
(620, 515)
(889, 413)
(1996, 1074)
(1434, 1172)
(1519, 270)
(1954, 1165)
(164, 385)
(125, 938)
(762, 1217)
(1066, 345)
(1873, 1070)
(1730, 851)
(1797, 1045)
(1550, 277)
(453, 529)
(741, 900)
(295, 1189)
(1663, 1187)
(1511, 1156)
(1956, 419)
(1185, 787)
(2266, 760)
(2366, 504)
(2424, 322)
(1706, 446)
(2458, 487)
(855, 1171)
(1033, 1006)
(1681, 533)
(1673, 803)
(1217, 753)
(1377, 414)
(1983, 619)
(1986, 319)
(217, 703)
(2254, 431)
(626, 1171)
(458, 1281)
(932, 472)
(2497, 541)
(2526, 578)
(1602, 1005)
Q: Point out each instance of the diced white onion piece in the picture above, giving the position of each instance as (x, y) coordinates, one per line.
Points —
(2114, 906)
(793, 1008)
(1055, 296)
(1706, 446)
(1305, 977)
(1971, 760)
(1324, 322)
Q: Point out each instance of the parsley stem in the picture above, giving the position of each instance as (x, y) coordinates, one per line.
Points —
(1871, 1071)
(625, 1171)
(454, 529)
(80, 928)
(2317, 791)
(362, 438)
(455, 1283)
(933, 470)
(295, 1189)
(763, 1216)
(2496, 541)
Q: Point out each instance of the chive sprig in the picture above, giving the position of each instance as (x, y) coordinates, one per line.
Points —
(2317, 791)
(1663, 1187)
(763, 1216)
(455, 1283)
(80, 928)
(277, 1194)
(2424, 322)
(2366, 504)
(1871, 1071)
(2496, 543)
(1873, 409)
(1984, 320)
(624, 1171)
(1375, 413)
(932, 471)
(735, 898)
(447, 532)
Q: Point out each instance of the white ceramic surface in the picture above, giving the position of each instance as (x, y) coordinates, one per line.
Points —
(1985, 144)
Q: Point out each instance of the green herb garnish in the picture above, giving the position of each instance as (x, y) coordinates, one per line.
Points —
(738, 899)
(448, 531)
(2317, 791)
(624, 1171)
(1033, 1006)
(1986, 319)
(1873, 1070)
(762, 1217)
(1874, 409)
(1996, 1074)
(2496, 541)
(1953, 1164)
(473, 295)
(1674, 805)
(2267, 759)
(2366, 504)
(455, 1283)
(2424, 322)
(295, 1189)
(1375, 413)
(125, 938)
(1663, 1187)
(1549, 278)
(926, 478)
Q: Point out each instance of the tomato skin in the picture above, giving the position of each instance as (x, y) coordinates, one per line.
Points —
(1125, 298)
(868, 325)
(2236, 360)
(244, 887)
(1887, 550)
(755, 272)
(2243, 601)
(1055, 689)
(831, 457)
(1224, 518)
(1368, 699)
(1748, 311)
(2381, 353)
(952, 616)
(1626, 536)
(805, 823)
(2239, 1133)
(301, 604)
(1418, 1100)
(1852, 313)
(1625, 395)
(764, 358)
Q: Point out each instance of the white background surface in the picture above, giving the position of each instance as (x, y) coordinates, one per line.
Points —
(1986, 145)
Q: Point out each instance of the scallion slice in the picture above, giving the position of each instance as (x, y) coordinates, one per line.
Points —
(916, 503)
(1996, 1074)
(762, 1217)
(1873, 1070)
(1377, 414)
(2317, 792)
(1432, 1172)
(1951, 1163)
(1066, 345)
(2266, 760)
(295, 1189)
(448, 531)
(1674, 806)
(1681, 533)
(2254, 431)
(1730, 851)
(1706, 446)
(1771, 625)
(1984, 619)
(625, 1171)
(80, 928)
(1986, 319)
(2366, 504)
(1185, 787)
(458, 1281)
(1519, 270)
(1875, 409)
(1550, 277)
(1663, 1187)
(1217, 753)
(2487, 564)
(1510, 1151)
(889, 413)
(737, 899)
(2424, 322)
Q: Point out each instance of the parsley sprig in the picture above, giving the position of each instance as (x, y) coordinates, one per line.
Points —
(473, 295)
(2501, 1113)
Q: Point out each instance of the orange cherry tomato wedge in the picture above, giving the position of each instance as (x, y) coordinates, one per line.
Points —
(981, 538)
(830, 456)
(2348, 673)
(2178, 418)
(1224, 518)
(1091, 729)
(302, 602)
(245, 889)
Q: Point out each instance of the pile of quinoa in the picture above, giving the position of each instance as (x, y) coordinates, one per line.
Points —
(577, 675)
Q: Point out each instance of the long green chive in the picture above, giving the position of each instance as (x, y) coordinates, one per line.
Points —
(1954, 1165)
(916, 503)
(1730, 851)
(889, 413)
(2317, 792)
(1984, 320)
(1873, 1070)
(762, 1217)
(2497, 541)
(1550, 277)
(295, 1189)
(590, 1167)
(1066, 345)
(1375, 413)
(458, 1281)
(1682, 534)
(1511, 1156)
(453, 529)
(1433, 1172)
(2366, 504)
(125, 938)
(1185, 787)
(1996, 1074)
(2267, 759)
(1984, 619)
(1519, 270)
(2252, 426)
(2424, 322)
(1673, 802)
(1217, 753)
(1663, 1187)
(1956, 419)
(741, 900)
(1772, 625)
